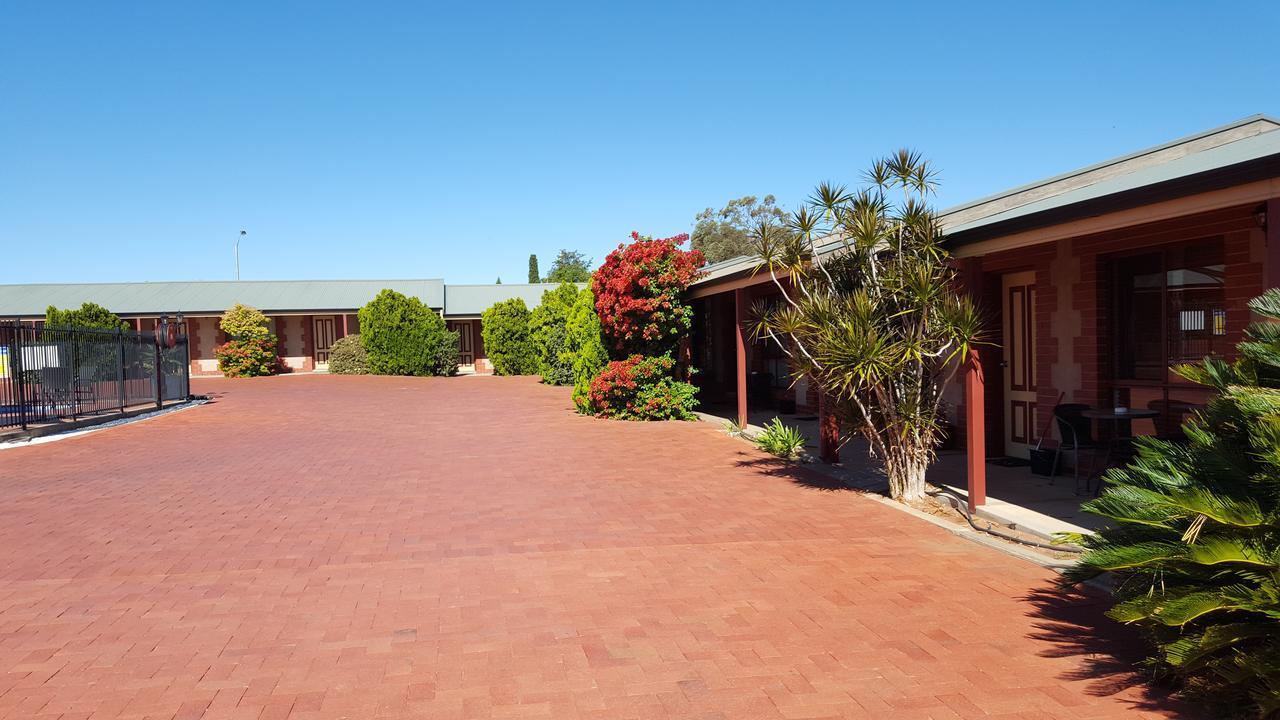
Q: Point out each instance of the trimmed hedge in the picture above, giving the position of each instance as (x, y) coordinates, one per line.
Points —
(584, 348)
(348, 357)
(251, 349)
(547, 327)
(243, 321)
(505, 330)
(402, 336)
(248, 357)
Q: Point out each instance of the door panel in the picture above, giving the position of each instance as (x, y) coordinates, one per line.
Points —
(1019, 342)
(466, 351)
(324, 337)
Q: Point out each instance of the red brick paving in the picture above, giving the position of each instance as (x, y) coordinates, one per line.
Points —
(329, 547)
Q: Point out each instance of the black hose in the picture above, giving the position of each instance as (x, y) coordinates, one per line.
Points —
(961, 505)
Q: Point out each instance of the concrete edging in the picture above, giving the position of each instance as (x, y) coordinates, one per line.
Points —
(57, 433)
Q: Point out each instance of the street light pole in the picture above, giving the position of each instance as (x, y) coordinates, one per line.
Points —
(242, 234)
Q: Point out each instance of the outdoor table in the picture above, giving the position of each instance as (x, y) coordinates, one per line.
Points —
(1118, 418)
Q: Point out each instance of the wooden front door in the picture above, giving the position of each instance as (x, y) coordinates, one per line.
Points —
(324, 336)
(1019, 341)
(466, 350)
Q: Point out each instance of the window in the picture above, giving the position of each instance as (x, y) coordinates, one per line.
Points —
(1169, 309)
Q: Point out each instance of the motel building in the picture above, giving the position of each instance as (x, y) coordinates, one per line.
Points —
(307, 316)
(1095, 282)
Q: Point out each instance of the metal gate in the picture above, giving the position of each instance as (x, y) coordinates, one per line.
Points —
(50, 374)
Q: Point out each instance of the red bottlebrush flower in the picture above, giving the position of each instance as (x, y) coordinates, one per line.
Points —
(639, 293)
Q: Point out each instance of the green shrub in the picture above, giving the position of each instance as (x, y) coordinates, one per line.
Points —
(557, 366)
(88, 315)
(251, 349)
(584, 348)
(97, 356)
(778, 439)
(348, 357)
(243, 321)
(248, 357)
(402, 336)
(448, 355)
(547, 328)
(1194, 537)
(643, 388)
(505, 331)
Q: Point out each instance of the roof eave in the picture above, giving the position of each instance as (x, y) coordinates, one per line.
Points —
(1216, 179)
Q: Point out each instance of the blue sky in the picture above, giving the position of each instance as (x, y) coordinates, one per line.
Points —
(421, 139)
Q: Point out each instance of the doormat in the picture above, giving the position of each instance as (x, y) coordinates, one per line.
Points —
(1009, 462)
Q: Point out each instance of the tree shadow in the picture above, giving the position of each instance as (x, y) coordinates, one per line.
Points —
(1072, 624)
(802, 475)
(858, 475)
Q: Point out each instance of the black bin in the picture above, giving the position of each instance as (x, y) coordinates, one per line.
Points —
(1042, 462)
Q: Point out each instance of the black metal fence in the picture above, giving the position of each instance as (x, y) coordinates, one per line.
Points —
(51, 374)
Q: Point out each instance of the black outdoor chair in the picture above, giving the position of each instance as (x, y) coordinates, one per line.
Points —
(61, 391)
(56, 387)
(1077, 434)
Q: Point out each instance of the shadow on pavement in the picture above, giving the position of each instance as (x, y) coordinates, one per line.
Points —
(1071, 623)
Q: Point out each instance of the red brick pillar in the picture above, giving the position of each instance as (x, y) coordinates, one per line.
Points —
(193, 344)
(308, 343)
(975, 431)
(740, 346)
(279, 322)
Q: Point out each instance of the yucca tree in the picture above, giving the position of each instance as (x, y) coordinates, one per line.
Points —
(1195, 539)
(870, 312)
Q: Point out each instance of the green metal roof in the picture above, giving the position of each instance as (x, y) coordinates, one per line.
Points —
(1250, 124)
(464, 300)
(1225, 156)
(270, 296)
(210, 297)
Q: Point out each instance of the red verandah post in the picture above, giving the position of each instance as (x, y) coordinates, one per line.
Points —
(740, 345)
(975, 431)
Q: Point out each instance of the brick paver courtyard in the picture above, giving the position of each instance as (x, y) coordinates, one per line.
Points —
(329, 547)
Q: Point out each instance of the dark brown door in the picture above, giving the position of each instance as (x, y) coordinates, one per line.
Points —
(466, 352)
(324, 335)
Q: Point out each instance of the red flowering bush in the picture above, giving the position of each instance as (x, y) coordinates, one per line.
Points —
(639, 295)
(248, 357)
(642, 388)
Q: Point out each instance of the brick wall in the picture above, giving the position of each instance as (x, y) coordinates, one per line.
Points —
(1073, 304)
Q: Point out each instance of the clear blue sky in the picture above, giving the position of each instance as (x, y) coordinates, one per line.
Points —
(376, 140)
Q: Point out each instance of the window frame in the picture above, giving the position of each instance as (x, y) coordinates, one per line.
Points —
(1114, 325)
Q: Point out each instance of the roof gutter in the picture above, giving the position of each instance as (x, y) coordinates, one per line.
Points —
(1264, 168)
